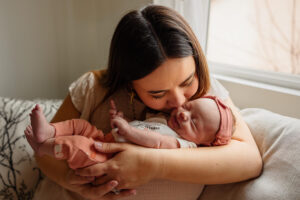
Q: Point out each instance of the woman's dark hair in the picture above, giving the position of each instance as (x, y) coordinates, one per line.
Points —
(143, 40)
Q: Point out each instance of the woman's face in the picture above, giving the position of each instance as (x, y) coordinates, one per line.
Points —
(170, 85)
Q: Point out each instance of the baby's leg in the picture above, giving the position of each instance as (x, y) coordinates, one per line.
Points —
(77, 127)
(42, 130)
(78, 150)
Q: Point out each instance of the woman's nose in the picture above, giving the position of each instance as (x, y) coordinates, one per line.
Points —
(177, 99)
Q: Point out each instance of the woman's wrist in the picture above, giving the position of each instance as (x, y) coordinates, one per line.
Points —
(56, 170)
(155, 163)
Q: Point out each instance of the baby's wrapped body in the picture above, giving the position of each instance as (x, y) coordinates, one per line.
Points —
(74, 142)
(74, 139)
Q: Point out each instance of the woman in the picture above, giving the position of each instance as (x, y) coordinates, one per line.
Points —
(156, 63)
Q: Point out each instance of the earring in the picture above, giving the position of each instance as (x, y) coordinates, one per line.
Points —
(131, 96)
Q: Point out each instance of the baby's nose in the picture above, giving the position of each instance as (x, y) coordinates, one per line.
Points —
(183, 116)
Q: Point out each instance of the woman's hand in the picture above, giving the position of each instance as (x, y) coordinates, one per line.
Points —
(82, 185)
(131, 166)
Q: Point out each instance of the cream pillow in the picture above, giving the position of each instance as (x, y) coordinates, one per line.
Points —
(278, 140)
(19, 175)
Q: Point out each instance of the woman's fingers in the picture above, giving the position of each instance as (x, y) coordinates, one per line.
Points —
(78, 180)
(94, 170)
(98, 191)
(109, 147)
(113, 105)
(100, 169)
(122, 194)
(101, 180)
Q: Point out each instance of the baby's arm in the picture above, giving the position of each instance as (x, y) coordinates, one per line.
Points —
(146, 137)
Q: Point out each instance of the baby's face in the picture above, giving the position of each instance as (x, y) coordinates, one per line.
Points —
(187, 122)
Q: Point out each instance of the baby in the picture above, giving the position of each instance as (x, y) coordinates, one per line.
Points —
(204, 121)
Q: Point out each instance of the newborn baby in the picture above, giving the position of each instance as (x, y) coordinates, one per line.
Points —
(203, 121)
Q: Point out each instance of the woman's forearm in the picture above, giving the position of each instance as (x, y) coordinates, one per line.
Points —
(210, 165)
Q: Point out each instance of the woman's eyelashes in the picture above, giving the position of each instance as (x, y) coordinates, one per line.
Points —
(189, 82)
(158, 96)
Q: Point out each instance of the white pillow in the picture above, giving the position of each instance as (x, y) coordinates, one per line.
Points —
(278, 140)
(19, 175)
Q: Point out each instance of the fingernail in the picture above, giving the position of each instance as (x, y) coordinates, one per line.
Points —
(98, 145)
(113, 183)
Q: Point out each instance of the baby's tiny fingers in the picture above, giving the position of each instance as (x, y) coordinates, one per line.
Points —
(113, 105)
(112, 113)
(120, 114)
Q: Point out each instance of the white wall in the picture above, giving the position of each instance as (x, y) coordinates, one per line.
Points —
(253, 96)
(45, 45)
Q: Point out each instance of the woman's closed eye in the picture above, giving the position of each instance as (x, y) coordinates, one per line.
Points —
(158, 97)
(188, 82)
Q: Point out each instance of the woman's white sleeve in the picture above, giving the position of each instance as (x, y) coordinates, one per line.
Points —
(82, 94)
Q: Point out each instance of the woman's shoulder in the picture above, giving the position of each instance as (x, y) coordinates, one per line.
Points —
(98, 73)
(87, 90)
(88, 81)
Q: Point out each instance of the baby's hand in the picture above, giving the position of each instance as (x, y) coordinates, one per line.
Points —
(123, 127)
(113, 112)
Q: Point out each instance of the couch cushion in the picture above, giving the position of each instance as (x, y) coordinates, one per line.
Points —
(278, 139)
(19, 175)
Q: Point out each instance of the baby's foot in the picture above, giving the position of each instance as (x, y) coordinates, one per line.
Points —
(30, 138)
(40, 149)
(41, 129)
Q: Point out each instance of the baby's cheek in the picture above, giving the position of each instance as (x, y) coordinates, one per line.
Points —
(186, 135)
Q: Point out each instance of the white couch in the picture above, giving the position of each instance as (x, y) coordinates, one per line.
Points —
(277, 137)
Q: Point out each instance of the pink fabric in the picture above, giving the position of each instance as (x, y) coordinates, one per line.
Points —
(223, 136)
(74, 142)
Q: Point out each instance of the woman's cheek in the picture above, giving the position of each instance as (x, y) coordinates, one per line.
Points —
(192, 89)
(155, 104)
